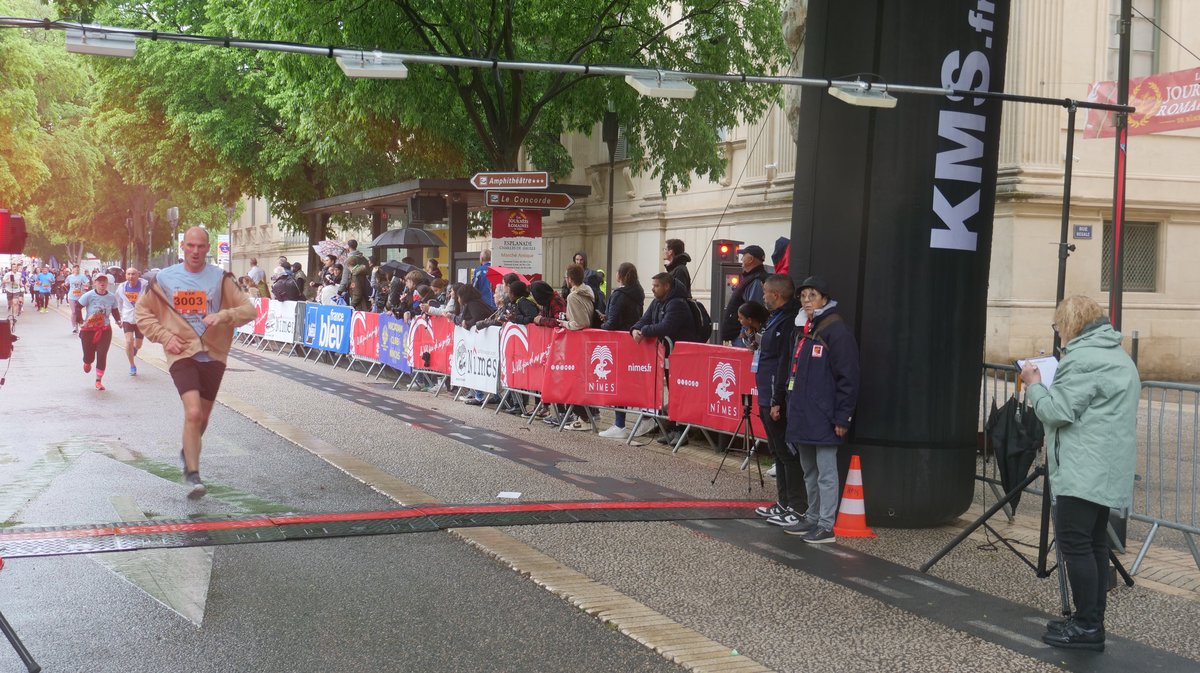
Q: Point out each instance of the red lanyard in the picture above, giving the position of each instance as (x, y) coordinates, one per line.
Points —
(799, 346)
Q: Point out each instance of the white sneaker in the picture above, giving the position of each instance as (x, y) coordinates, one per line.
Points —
(645, 426)
(771, 472)
(614, 433)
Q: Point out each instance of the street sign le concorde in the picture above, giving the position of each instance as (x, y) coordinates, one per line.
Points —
(541, 200)
(512, 180)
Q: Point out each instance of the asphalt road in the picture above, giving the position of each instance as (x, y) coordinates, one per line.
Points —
(433, 602)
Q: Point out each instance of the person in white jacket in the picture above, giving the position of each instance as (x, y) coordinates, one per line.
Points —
(127, 297)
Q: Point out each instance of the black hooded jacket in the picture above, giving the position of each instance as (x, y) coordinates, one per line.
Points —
(471, 307)
(678, 270)
(668, 317)
(625, 306)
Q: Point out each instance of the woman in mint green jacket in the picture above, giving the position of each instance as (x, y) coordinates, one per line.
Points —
(1090, 414)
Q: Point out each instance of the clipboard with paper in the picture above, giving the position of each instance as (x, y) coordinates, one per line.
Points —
(1046, 364)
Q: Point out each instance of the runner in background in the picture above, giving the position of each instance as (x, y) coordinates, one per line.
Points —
(191, 309)
(75, 283)
(127, 297)
(14, 291)
(95, 330)
(43, 282)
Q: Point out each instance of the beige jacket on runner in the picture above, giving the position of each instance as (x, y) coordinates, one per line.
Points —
(158, 320)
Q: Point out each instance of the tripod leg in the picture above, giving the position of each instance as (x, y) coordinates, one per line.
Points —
(18, 645)
(1112, 556)
(1037, 472)
(728, 448)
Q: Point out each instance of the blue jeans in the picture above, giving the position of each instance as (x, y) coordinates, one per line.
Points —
(821, 482)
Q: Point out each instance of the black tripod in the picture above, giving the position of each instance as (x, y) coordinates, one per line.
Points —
(748, 445)
(1043, 538)
(15, 641)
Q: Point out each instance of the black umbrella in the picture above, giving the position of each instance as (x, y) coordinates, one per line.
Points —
(1016, 435)
(406, 237)
(396, 267)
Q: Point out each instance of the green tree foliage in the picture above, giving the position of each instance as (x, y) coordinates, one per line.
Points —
(493, 114)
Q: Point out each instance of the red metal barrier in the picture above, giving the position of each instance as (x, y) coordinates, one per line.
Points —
(706, 385)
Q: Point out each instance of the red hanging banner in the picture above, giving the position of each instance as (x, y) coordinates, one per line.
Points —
(706, 387)
(1168, 101)
(432, 343)
(603, 368)
(364, 335)
(524, 352)
(262, 306)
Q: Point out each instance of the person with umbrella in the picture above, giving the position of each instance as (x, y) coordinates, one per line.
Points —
(1090, 414)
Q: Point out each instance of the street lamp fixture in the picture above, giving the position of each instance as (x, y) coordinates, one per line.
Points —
(863, 95)
(657, 85)
(99, 43)
(373, 65)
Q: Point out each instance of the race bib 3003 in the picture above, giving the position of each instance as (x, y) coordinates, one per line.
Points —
(190, 302)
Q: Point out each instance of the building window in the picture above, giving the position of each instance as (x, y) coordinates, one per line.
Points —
(1141, 257)
(1143, 38)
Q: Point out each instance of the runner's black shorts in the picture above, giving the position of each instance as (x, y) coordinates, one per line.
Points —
(205, 377)
(131, 328)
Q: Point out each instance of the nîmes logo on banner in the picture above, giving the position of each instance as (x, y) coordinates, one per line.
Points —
(725, 379)
(462, 356)
(601, 362)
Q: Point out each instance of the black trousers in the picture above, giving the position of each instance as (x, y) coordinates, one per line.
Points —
(789, 476)
(95, 347)
(1081, 527)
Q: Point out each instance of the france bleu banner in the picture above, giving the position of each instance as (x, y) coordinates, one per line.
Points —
(391, 342)
(327, 327)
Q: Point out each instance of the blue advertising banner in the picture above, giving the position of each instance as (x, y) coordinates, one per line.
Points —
(310, 323)
(327, 327)
(391, 342)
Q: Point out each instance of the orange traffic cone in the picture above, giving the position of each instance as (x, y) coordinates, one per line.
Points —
(852, 513)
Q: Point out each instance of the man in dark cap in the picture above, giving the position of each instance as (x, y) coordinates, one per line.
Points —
(816, 388)
(748, 288)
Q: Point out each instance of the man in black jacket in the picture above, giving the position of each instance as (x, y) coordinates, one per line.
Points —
(749, 288)
(677, 261)
(668, 317)
(779, 295)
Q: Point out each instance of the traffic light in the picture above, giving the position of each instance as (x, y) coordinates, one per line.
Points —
(12, 233)
(725, 251)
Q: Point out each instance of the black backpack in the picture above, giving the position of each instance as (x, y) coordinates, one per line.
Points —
(702, 324)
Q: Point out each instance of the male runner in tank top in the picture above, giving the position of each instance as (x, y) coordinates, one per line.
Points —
(191, 309)
(75, 283)
(127, 297)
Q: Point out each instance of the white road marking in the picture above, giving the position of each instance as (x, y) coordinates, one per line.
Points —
(772, 549)
(928, 583)
(1011, 635)
(881, 588)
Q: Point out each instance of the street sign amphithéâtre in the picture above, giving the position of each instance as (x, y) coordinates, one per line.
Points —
(517, 180)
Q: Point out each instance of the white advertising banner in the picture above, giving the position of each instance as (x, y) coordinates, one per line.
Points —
(476, 360)
(281, 321)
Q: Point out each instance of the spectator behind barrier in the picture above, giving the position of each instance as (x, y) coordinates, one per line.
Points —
(749, 288)
(581, 304)
(668, 317)
(622, 312)
(677, 260)
(551, 306)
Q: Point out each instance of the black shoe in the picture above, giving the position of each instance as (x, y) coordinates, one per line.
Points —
(669, 438)
(474, 402)
(1059, 625)
(1075, 637)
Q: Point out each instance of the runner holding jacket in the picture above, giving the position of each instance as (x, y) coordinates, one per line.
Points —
(191, 309)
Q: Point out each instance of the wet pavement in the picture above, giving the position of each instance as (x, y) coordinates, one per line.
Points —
(300, 436)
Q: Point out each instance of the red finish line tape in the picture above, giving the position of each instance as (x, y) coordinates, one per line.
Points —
(150, 528)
